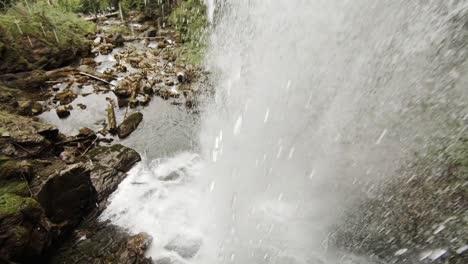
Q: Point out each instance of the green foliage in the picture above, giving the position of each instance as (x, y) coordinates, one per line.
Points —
(189, 18)
(11, 205)
(85, 6)
(53, 24)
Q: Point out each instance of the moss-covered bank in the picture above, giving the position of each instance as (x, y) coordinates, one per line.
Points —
(36, 35)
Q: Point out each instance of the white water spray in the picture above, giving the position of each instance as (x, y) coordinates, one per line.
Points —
(315, 98)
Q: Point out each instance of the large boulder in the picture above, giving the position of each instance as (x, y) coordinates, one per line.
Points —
(24, 232)
(22, 137)
(129, 124)
(110, 165)
(65, 192)
(102, 243)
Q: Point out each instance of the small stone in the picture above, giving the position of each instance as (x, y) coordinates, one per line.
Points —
(37, 108)
(89, 61)
(81, 106)
(149, 33)
(181, 77)
(120, 68)
(118, 40)
(68, 155)
(146, 100)
(86, 132)
(62, 111)
(65, 97)
(106, 49)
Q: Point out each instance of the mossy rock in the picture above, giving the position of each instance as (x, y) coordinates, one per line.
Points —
(12, 205)
(19, 188)
(24, 233)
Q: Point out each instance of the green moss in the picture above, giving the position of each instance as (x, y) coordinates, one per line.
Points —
(12, 205)
(17, 188)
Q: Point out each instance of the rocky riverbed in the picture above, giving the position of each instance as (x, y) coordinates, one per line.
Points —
(64, 134)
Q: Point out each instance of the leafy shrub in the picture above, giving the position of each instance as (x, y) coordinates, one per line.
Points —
(189, 18)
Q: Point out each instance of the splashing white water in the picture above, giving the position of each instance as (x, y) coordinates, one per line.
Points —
(306, 87)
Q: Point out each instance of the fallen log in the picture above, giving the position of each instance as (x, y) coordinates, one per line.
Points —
(112, 124)
(95, 77)
(94, 18)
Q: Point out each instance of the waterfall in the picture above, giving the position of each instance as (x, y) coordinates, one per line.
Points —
(316, 101)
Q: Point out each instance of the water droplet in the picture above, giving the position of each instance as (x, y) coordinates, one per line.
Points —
(238, 125)
(267, 113)
(379, 140)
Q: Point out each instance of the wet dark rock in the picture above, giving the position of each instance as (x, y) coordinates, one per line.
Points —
(109, 71)
(65, 97)
(37, 108)
(189, 99)
(118, 40)
(149, 33)
(68, 155)
(106, 48)
(8, 99)
(145, 100)
(185, 246)
(65, 192)
(122, 102)
(89, 61)
(11, 169)
(181, 77)
(25, 80)
(133, 102)
(109, 167)
(170, 177)
(129, 124)
(104, 243)
(63, 111)
(135, 61)
(120, 68)
(166, 93)
(82, 106)
(86, 133)
(22, 137)
(123, 92)
(25, 107)
(24, 232)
